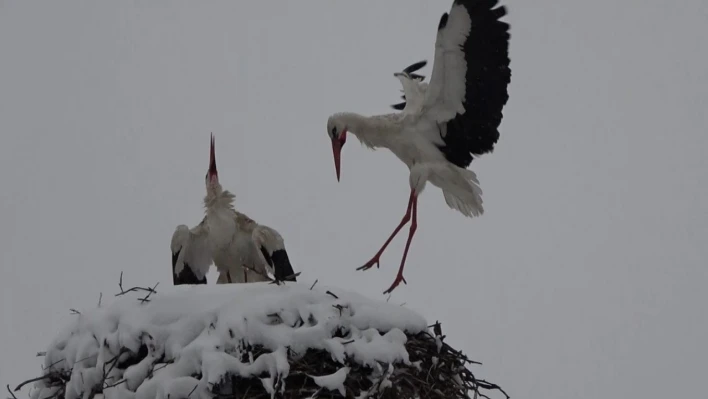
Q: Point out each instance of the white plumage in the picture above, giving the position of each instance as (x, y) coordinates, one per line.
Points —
(190, 254)
(242, 250)
(445, 123)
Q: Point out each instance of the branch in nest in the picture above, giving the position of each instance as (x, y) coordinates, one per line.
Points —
(10, 391)
(57, 362)
(287, 278)
(116, 384)
(49, 375)
(144, 299)
(152, 291)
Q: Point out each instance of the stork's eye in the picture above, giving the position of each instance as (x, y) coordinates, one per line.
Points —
(334, 131)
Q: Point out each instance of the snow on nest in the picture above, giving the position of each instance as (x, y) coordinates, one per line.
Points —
(201, 327)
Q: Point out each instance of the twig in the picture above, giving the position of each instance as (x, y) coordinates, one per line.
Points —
(192, 391)
(8, 390)
(152, 291)
(100, 297)
(134, 289)
(286, 278)
(340, 308)
(116, 384)
(144, 299)
(332, 294)
(313, 284)
(152, 372)
(74, 311)
(48, 375)
(489, 386)
(57, 362)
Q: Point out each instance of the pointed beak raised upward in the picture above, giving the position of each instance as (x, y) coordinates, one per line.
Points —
(212, 159)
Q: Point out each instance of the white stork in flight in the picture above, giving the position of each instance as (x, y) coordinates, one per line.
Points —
(242, 250)
(443, 124)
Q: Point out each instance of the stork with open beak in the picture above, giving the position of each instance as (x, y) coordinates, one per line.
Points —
(242, 250)
(444, 124)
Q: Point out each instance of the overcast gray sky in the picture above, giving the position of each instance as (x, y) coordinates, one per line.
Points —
(585, 278)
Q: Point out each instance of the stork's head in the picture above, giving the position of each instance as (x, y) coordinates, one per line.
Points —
(212, 176)
(337, 131)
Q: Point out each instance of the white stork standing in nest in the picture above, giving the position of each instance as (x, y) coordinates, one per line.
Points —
(242, 250)
(443, 124)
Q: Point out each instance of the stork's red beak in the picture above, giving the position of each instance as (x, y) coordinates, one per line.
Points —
(337, 144)
(212, 160)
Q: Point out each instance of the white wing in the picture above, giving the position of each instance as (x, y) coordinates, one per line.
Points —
(413, 88)
(468, 86)
(414, 91)
(191, 256)
(446, 91)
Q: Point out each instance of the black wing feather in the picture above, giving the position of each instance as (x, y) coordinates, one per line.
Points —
(186, 276)
(487, 78)
(280, 263)
(414, 67)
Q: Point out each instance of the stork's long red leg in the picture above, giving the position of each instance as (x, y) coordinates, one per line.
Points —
(406, 218)
(414, 226)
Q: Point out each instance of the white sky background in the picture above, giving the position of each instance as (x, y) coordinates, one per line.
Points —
(585, 278)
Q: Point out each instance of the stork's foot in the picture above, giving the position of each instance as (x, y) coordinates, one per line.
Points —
(368, 265)
(399, 278)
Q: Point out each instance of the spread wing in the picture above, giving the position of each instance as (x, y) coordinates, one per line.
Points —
(413, 88)
(468, 86)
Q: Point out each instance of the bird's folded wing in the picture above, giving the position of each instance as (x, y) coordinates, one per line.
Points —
(198, 255)
(272, 247)
(191, 256)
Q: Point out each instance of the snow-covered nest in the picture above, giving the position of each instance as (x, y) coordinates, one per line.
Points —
(252, 340)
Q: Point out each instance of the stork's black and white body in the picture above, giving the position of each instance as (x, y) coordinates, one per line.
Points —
(447, 122)
(242, 250)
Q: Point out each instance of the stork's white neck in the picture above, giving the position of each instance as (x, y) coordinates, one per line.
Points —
(355, 123)
(218, 199)
(371, 131)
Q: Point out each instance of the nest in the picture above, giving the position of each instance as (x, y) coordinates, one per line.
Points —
(436, 371)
